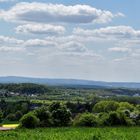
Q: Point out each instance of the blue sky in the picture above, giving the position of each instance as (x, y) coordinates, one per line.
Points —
(95, 40)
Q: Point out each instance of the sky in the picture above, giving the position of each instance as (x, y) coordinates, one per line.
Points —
(84, 39)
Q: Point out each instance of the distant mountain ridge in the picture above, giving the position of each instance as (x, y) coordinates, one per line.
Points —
(68, 82)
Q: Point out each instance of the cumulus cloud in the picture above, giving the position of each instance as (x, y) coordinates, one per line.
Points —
(39, 43)
(51, 13)
(10, 40)
(73, 47)
(46, 29)
(11, 44)
(62, 44)
(112, 32)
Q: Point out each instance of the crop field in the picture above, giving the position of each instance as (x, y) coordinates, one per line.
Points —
(118, 133)
(10, 125)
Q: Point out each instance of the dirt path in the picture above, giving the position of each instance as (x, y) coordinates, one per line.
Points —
(5, 129)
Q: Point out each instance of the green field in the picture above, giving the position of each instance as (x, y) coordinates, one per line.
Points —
(120, 133)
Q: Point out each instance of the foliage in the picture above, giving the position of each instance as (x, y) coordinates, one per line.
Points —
(18, 115)
(1, 115)
(24, 88)
(11, 117)
(12, 107)
(44, 116)
(126, 105)
(105, 106)
(54, 106)
(115, 119)
(86, 119)
(61, 115)
(29, 121)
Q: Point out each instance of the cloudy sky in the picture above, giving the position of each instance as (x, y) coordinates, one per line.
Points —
(84, 39)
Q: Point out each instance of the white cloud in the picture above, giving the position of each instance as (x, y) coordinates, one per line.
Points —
(51, 13)
(65, 45)
(73, 47)
(39, 43)
(119, 49)
(111, 32)
(11, 49)
(10, 40)
(41, 29)
(11, 44)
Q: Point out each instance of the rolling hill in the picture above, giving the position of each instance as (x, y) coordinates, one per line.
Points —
(68, 82)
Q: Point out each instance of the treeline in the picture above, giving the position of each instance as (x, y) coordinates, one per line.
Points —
(124, 91)
(103, 113)
(24, 88)
(13, 111)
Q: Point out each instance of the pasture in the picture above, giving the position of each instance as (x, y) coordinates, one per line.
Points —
(114, 133)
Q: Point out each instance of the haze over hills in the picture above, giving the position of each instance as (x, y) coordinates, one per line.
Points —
(69, 82)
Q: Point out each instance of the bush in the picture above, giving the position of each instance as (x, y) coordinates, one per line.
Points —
(135, 116)
(18, 115)
(103, 117)
(54, 106)
(44, 116)
(115, 118)
(1, 116)
(138, 107)
(11, 117)
(85, 119)
(125, 118)
(29, 121)
(126, 106)
(61, 116)
(105, 106)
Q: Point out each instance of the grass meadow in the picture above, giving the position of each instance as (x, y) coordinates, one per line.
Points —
(118, 133)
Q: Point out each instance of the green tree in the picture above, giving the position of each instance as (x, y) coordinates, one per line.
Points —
(18, 115)
(44, 116)
(113, 119)
(11, 117)
(105, 106)
(61, 116)
(1, 115)
(126, 106)
(29, 121)
(85, 119)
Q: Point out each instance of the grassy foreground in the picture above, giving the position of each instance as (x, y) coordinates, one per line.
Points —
(120, 133)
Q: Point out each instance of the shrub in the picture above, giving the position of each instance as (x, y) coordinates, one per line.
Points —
(1, 116)
(105, 106)
(135, 116)
(29, 121)
(113, 119)
(61, 115)
(44, 116)
(18, 115)
(138, 107)
(103, 117)
(11, 117)
(126, 106)
(85, 119)
(54, 106)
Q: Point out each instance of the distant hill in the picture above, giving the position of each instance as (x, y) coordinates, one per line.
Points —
(68, 82)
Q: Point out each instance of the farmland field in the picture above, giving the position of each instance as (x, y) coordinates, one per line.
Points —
(118, 133)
